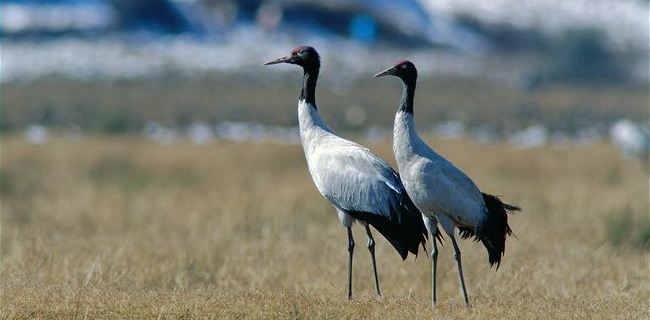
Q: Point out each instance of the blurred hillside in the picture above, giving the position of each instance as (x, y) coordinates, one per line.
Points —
(97, 39)
(501, 70)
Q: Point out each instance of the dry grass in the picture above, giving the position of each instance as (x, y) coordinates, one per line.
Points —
(123, 228)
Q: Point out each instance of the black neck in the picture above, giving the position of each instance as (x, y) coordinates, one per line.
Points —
(408, 93)
(308, 92)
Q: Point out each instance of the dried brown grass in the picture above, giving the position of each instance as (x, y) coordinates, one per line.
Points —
(123, 228)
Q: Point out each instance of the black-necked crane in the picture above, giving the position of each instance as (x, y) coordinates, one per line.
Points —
(441, 191)
(361, 186)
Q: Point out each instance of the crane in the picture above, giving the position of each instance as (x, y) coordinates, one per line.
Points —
(361, 186)
(442, 192)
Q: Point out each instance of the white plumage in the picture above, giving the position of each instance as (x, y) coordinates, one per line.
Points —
(434, 184)
(347, 174)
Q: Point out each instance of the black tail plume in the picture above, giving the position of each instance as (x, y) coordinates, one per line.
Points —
(406, 233)
(492, 231)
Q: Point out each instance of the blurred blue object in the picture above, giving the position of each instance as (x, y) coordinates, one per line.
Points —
(363, 28)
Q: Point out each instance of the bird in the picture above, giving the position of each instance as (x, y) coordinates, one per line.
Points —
(442, 192)
(360, 185)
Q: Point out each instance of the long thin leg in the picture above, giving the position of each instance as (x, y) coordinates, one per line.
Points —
(460, 269)
(350, 251)
(434, 264)
(371, 248)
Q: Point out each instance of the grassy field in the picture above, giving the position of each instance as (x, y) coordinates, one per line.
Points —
(126, 105)
(98, 227)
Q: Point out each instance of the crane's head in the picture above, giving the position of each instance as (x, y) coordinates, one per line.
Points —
(305, 56)
(403, 69)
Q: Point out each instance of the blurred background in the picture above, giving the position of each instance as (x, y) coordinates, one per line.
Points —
(527, 73)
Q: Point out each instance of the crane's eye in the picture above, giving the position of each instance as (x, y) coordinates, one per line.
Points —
(403, 66)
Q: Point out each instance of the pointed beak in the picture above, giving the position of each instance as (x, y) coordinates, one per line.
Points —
(284, 59)
(389, 71)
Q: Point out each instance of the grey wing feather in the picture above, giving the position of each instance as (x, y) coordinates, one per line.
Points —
(460, 181)
(354, 179)
(361, 184)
